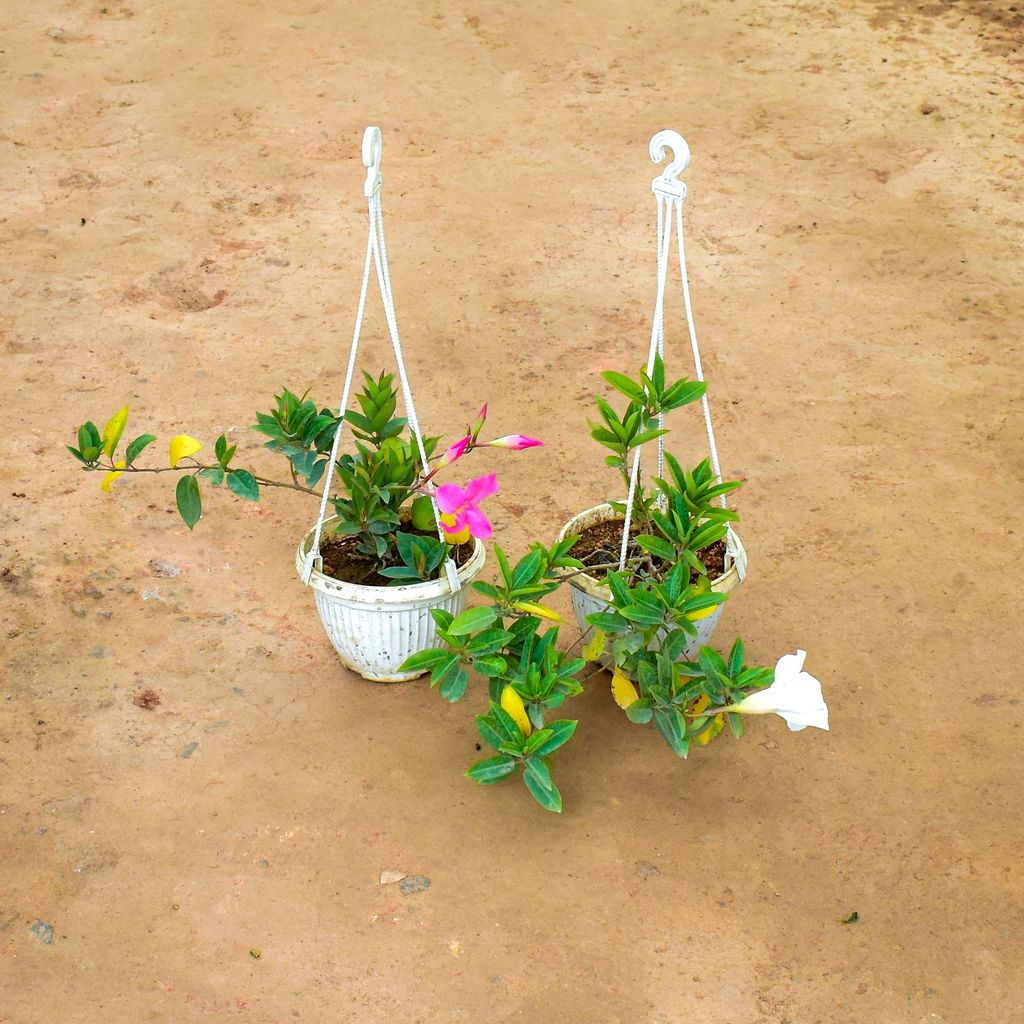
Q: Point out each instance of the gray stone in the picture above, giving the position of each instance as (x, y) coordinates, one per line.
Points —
(414, 883)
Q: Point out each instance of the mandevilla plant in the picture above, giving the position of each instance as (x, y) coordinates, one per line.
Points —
(665, 589)
(382, 503)
(528, 677)
(647, 633)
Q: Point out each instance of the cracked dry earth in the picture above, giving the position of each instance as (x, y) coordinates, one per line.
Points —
(197, 801)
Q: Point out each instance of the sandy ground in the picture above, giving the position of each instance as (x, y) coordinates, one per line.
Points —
(182, 227)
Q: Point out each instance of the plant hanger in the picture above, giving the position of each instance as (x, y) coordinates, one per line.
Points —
(670, 193)
(376, 255)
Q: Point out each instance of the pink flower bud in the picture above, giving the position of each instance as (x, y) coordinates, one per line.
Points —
(456, 451)
(515, 442)
(481, 416)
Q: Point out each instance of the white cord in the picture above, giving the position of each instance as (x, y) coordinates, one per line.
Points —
(313, 559)
(376, 252)
(669, 208)
(657, 330)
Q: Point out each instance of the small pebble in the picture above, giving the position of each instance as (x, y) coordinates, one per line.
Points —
(413, 883)
(164, 569)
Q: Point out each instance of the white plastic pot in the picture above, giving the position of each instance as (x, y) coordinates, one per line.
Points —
(374, 629)
(590, 595)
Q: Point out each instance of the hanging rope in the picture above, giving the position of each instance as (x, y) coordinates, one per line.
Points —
(377, 255)
(670, 194)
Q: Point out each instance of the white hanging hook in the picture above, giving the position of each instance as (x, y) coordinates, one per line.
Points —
(667, 182)
(372, 147)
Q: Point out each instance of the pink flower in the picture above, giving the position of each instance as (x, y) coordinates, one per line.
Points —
(515, 442)
(456, 451)
(462, 505)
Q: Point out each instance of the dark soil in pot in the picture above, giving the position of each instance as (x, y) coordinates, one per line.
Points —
(601, 542)
(343, 562)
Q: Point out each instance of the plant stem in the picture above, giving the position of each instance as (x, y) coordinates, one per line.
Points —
(198, 467)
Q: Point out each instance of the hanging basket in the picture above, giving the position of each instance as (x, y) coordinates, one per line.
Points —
(589, 595)
(375, 629)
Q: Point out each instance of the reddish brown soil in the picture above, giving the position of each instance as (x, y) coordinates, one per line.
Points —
(183, 227)
(343, 561)
(599, 544)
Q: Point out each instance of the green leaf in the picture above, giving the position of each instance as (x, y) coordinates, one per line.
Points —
(214, 474)
(452, 680)
(488, 733)
(442, 618)
(190, 505)
(622, 383)
(471, 621)
(657, 546)
(672, 726)
(639, 613)
(401, 573)
(243, 483)
(504, 723)
(490, 665)
(736, 658)
(639, 712)
(608, 622)
(536, 715)
(422, 661)
(135, 449)
(735, 724)
(538, 782)
(77, 454)
(506, 571)
(490, 641)
(491, 769)
(712, 665)
(561, 732)
(526, 569)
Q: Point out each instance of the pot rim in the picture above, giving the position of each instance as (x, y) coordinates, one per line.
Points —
(736, 568)
(428, 590)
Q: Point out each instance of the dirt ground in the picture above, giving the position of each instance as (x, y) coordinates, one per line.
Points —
(183, 225)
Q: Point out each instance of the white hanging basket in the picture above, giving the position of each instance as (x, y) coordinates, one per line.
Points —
(590, 595)
(374, 629)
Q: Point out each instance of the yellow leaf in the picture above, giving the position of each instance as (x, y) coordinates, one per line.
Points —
(181, 446)
(702, 614)
(623, 689)
(111, 477)
(533, 608)
(703, 587)
(716, 727)
(113, 430)
(594, 647)
(513, 704)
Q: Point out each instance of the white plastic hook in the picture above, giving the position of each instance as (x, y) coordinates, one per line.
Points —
(371, 160)
(667, 182)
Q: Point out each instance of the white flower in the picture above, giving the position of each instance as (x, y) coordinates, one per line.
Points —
(795, 696)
